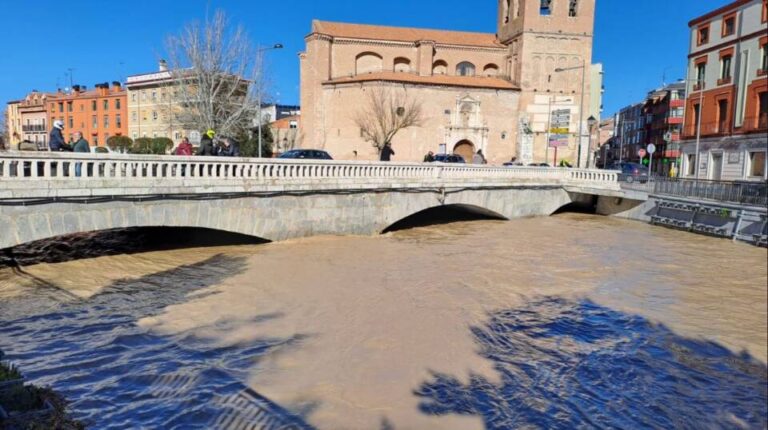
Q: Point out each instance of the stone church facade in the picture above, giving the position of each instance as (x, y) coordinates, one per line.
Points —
(478, 90)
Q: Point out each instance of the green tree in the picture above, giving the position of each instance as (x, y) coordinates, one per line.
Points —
(120, 143)
(249, 146)
(142, 145)
(161, 145)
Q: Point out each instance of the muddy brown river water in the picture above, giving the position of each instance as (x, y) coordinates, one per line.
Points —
(561, 322)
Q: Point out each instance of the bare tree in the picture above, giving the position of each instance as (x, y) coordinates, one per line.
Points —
(386, 113)
(218, 73)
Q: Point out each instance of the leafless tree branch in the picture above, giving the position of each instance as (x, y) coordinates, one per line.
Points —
(386, 113)
(218, 74)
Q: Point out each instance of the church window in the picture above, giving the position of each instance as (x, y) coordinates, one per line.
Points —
(490, 70)
(546, 7)
(439, 67)
(368, 62)
(402, 65)
(573, 5)
(465, 68)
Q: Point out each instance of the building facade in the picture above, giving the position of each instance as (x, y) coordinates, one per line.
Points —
(98, 113)
(285, 133)
(663, 111)
(152, 100)
(727, 106)
(13, 124)
(275, 112)
(34, 121)
(494, 92)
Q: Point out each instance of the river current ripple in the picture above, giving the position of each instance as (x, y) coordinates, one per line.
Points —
(415, 329)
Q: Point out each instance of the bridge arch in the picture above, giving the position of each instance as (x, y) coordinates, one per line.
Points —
(443, 214)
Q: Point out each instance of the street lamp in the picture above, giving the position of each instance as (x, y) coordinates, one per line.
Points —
(591, 121)
(258, 85)
(583, 68)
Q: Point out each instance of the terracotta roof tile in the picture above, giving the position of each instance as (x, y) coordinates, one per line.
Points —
(284, 122)
(454, 81)
(404, 34)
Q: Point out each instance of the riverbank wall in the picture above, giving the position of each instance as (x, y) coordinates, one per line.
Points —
(719, 219)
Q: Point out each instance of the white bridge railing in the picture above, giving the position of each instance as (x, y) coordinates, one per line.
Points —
(88, 170)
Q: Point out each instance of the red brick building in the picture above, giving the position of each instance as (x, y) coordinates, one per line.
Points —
(98, 113)
(727, 105)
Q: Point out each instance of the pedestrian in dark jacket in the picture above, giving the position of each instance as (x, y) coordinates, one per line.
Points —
(56, 141)
(206, 144)
(81, 145)
(229, 148)
(386, 152)
(430, 157)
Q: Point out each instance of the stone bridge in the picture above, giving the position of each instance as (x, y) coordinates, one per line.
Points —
(41, 196)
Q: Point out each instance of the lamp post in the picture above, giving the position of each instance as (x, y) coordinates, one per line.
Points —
(258, 84)
(583, 68)
(591, 121)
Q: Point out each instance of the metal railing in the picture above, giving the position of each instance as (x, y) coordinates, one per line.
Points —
(742, 192)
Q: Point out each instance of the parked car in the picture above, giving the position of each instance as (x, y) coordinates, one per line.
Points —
(539, 165)
(449, 158)
(100, 150)
(631, 172)
(308, 154)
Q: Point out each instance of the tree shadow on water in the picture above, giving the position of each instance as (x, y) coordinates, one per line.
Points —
(575, 364)
(118, 374)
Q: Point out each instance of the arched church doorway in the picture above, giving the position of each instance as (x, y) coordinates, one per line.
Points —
(466, 149)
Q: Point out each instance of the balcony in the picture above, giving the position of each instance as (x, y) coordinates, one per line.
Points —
(724, 81)
(677, 103)
(709, 129)
(756, 124)
(32, 128)
(675, 120)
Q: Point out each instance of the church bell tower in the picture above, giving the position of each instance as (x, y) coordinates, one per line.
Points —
(543, 38)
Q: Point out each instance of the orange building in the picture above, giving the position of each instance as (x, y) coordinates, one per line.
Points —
(98, 113)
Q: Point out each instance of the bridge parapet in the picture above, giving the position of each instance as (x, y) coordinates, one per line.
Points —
(52, 171)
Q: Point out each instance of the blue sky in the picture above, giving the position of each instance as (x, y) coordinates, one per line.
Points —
(637, 41)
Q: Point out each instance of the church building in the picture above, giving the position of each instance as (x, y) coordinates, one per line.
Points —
(477, 90)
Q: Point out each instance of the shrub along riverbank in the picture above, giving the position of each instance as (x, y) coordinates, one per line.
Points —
(29, 407)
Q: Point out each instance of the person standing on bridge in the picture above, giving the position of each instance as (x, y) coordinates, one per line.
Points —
(229, 148)
(184, 148)
(56, 141)
(479, 158)
(386, 152)
(81, 145)
(206, 144)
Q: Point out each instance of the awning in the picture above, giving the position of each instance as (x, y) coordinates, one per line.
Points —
(671, 153)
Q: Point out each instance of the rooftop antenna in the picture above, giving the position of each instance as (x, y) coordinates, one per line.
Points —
(71, 78)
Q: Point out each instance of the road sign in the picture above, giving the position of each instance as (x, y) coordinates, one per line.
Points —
(651, 148)
(194, 137)
(557, 140)
(668, 136)
(561, 119)
(641, 152)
